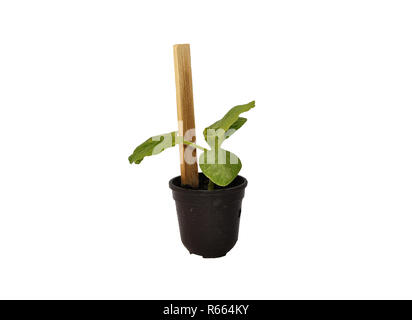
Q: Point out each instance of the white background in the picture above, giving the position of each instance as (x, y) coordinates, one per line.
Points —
(327, 150)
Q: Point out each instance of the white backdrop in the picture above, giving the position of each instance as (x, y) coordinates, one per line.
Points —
(327, 150)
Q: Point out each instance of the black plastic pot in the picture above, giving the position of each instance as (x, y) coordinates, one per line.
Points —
(209, 220)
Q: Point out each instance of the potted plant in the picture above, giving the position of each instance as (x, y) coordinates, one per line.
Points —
(208, 204)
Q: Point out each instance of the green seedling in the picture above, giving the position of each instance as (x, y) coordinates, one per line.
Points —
(219, 165)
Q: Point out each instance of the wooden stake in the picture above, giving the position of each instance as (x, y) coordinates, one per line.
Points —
(185, 111)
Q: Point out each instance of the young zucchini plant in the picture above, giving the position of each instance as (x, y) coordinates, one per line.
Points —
(219, 165)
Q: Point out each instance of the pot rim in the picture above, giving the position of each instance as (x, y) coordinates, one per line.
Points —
(176, 187)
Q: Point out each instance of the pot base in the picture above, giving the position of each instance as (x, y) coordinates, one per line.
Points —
(207, 257)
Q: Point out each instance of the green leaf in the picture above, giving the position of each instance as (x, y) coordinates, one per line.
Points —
(220, 166)
(231, 120)
(235, 126)
(153, 145)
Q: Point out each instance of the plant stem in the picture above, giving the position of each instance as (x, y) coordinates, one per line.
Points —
(193, 145)
(211, 185)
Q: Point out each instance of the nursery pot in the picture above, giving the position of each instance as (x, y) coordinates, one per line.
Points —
(209, 219)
